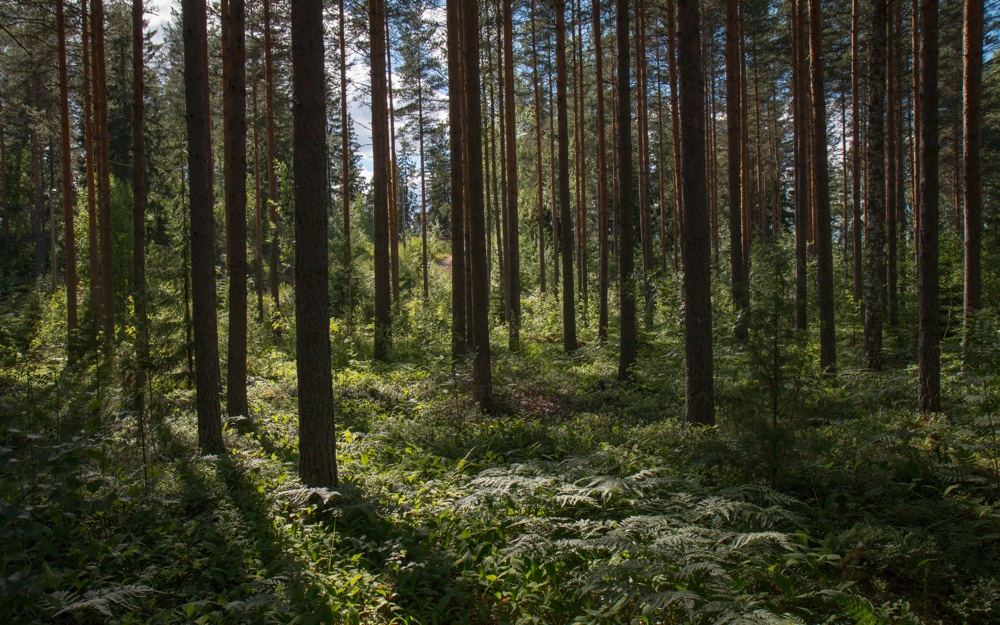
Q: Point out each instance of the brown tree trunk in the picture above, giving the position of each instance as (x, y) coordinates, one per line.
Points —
(892, 135)
(824, 251)
(90, 156)
(875, 202)
(456, 136)
(393, 170)
(272, 177)
(602, 175)
(3, 188)
(101, 145)
(642, 138)
(565, 222)
(381, 181)
(553, 168)
(345, 164)
(856, 152)
(138, 209)
(697, 244)
(802, 178)
(317, 437)
(37, 198)
(972, 75)
(66, 162)
(928, 336)
(674, 126)
(423, 184)
(258, 212)
(626, 247)
(205, 323)
(740, 287)
(511, 235)
(538, 147)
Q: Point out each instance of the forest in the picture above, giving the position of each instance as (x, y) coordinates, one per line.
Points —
(499, 311)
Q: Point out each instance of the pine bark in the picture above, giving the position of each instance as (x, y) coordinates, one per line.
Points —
(740, 287)
(317, 439)
(139, 192)
(66, 162)
(875, 295)
(928, 335)
(602, 175)
(821, 192)
(973, 172)
(202, 224)
(345, 165)
(236, 208)
(513, 281)
(103, 169)
(626, 247)
(93, 244)
(696, 242)
(455, 101)
(538, 151)
(272, 176)
(565, 221)
(381, 180)
(856, 151)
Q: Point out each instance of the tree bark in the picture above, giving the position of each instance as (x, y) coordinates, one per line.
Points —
(565, 222)
(824, 251)
(875, 202)
(928, 335)
(856, 151)
(696, 242)
(272, 177)
(972, 71)
(102, 148)
(602, 175)
(90, 156)
(381, 180)
(317, 438)
(138, 208)
(513, 282)
(202, 222)
(66, 162)
(236, 209)
(626, 248)
(345, 164)
(740, 287)
(456, 136)
(258, 212)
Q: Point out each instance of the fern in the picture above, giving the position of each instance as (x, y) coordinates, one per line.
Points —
(861, 611)
(102, 600)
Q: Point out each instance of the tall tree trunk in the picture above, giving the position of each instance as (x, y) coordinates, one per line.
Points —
(889, 172)
(258, 212)
(740, 287)
(102, 148)
(875, 202)
(565, 222)
(345, 164)
(393, 170)
(602, 175)
(236, 210)
(381, 180)
(138, 209)
(626, 248)
(642, 138)
(928, 336)
(317, 437)
(93, 244)
(856, 151)
(824, 251)
(66, 162)
(802, 178)
(511, 236)
(37, 198)
(553, 167)
(3, 188)
(697, 244)
(972, 79)
(675, 131)
(482, 377)
(538, 150)
(455, 106)
(423, 184)
(272, 177)
(205, 323)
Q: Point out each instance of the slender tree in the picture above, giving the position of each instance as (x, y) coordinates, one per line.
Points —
(317, 439)
(236, 208)
(821, 193)
(875, 202)
(626, 251)
(103, 169)
(459, 343)
(740, 288)
(511, 236)
(66, 162)
(973, 174)
(202, 222)
(138, 210)
(928, 335)
(602, 175)
(272, 176)
(381, 179)
(565, 222)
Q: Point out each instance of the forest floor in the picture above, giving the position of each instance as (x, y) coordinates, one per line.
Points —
(817, 499)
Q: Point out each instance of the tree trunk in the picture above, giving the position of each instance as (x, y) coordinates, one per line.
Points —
(90, 156)
(345, 163)
(565, 223)
(928, 336)
(824, 251)
(889, 172)
(205, 323)
(511, 235)
(272, 177)
(138, 209)
(101, 144)
(553, 186)
(972, 75)
(317, 436)
(456, 136)
(236, 209)
(381, 180)
(393, 170)
(423, 184)
(37, 198)
(626, 248)
(802, 179)
(258, 212)
(3, 188)
(66, 162)
(740, 287)
(696, 242)
(875, 202)
(602, 175)
(856, 151)
(675, 131)
(642, 138)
